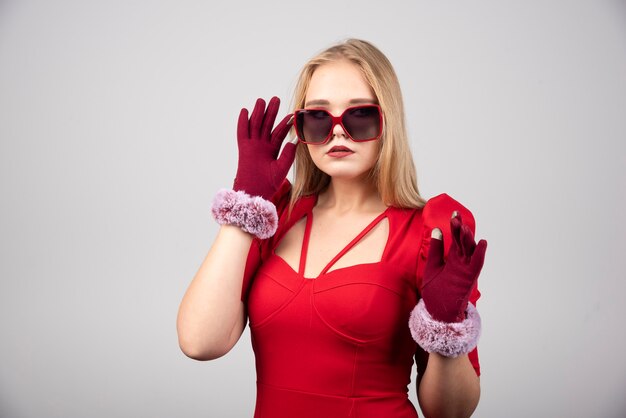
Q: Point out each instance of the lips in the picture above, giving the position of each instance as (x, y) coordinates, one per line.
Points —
(340, 149)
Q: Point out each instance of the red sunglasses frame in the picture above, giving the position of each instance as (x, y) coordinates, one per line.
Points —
(337, 120)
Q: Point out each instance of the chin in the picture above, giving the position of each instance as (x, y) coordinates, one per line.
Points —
(345, 173)
(344, 169)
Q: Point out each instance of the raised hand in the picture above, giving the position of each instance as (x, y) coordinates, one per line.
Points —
(448, 284)
(259, 171)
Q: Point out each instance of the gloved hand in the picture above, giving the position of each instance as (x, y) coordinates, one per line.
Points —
(259, 173)
(447, 285)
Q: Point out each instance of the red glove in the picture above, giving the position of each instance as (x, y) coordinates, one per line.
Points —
(447, 285)
(259, 173)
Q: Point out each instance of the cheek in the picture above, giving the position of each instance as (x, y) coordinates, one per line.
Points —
(372, 155)
(315, 152)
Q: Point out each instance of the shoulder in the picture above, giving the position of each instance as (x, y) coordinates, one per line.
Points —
(282, 195)
(281, 200)
(438, 211)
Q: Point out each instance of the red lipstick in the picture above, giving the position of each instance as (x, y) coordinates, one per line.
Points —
(340, 151)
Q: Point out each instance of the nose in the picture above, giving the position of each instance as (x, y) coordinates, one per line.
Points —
(338, 130)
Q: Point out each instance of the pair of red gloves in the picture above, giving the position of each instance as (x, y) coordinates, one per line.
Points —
(446, 284)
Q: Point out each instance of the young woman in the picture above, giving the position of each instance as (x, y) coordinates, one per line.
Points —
(348, 274)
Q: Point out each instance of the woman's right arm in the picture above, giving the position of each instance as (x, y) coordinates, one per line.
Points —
(211, 317)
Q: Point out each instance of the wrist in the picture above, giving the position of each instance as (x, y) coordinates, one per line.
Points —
(248, 188)
(445, 304)
(253, 214)
(442, 314)
(449, 339)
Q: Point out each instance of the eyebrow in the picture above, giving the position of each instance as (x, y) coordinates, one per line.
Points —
(322, 102)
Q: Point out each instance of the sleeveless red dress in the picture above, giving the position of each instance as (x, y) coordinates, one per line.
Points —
(339, 345)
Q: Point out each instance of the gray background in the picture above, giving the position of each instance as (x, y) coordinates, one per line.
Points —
(117, 127)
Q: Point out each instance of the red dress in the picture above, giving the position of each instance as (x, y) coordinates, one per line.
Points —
(339, 345)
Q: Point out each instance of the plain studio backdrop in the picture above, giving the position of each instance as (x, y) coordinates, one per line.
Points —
(117, 127)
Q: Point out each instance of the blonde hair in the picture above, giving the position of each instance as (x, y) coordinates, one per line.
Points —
(394, 172)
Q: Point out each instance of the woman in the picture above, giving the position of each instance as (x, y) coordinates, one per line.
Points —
(348, 274)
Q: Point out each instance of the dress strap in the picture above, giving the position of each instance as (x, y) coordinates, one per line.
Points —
(305, 242)
(364, 232)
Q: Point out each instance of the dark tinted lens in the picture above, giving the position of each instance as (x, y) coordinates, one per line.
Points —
(362, 123)
(313, 125)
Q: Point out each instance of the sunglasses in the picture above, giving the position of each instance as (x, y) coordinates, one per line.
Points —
(361, 123)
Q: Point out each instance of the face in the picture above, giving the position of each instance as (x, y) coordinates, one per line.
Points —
(335, 87)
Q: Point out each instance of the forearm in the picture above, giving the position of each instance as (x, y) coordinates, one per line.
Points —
(448, 388)
(210, 317)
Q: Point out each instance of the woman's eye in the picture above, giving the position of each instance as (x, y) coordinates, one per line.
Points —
(317, 114)
(362, 112)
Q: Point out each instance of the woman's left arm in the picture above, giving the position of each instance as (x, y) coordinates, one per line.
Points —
(449, 387)
(445, 324)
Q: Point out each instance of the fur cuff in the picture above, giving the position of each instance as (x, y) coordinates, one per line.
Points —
(447, 339)
(253, 214)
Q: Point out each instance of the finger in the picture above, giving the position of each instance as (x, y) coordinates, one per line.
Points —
(455, 228)
(270, 117)
(243, 130)
(435, 252)
(256, 120)
(478, 258)
(467, 240)
(281, 130)
(285, 160)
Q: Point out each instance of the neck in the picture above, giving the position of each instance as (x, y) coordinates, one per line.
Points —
(350, 195)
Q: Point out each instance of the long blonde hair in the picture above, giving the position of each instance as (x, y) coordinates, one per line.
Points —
(394, 172)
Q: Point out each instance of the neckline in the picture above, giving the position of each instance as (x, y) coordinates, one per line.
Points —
(308, 212)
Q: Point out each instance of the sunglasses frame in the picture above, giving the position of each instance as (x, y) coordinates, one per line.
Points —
(338, 120)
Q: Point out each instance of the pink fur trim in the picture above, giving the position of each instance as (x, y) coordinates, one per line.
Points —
(447, 339)
(253, 214)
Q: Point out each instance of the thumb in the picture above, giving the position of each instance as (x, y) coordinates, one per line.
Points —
(435, 253)
(478, 258)
(285, 160)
